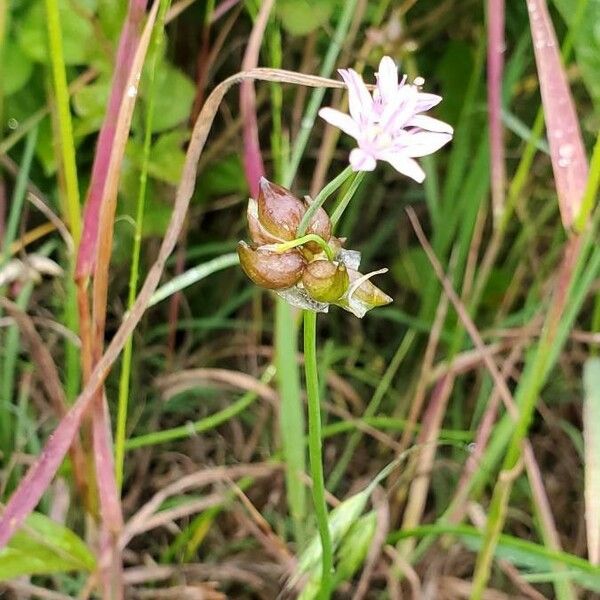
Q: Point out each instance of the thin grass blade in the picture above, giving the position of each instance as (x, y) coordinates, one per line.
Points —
(591, 436)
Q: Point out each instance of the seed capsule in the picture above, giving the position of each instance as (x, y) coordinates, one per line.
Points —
(321, 226)
(278, 215)
(325, 281)
(271, 270)
(258, 233)
(279, 212)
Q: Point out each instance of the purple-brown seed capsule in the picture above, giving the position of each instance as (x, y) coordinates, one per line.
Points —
(271, 270)
(279, 212)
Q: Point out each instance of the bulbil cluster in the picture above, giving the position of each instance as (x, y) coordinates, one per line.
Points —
(312, 274)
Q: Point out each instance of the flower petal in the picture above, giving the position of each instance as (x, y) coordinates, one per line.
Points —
(406, 166)
(361, 160)
(426, 101)
(402, 108)
(360, 102)
(430, 124)
(340, 120)
(423, 143)
(387, 79)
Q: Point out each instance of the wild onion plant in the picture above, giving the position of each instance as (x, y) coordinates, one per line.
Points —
(497, 293)
(295, 253)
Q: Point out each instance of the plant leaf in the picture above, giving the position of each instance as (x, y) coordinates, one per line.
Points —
(77, 32)
(591, 437)
(300, 17)
(173, 98)
(43, 547)
(586, 42)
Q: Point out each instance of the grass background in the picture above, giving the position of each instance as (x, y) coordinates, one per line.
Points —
(210, 428)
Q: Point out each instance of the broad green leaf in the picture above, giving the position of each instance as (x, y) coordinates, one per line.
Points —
(45, 150)
(44, 547)
(16, 69)
(173, 98)
(591, 437)
(300, 17)
(586, 42)
(167, 156)
(77, 32)
(111, 14)
(341, 519)
(90, 105)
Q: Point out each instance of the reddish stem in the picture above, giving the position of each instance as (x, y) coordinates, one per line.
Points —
(86, 256)
(495, 68)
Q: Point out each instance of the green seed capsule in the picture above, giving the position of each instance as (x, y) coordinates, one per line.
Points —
(325, 281)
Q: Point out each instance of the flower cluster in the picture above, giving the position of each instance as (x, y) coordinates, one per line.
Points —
(310, 272)
(388, 125)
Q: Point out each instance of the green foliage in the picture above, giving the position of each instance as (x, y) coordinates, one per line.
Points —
(225, 176)
(453, 72)
(43, 547)
(586, 42)
(300, 17)
(166, 155)
(534, 559)
(411, 269)
(355, 546)
(16, 68)
(77, 29)
(90, 104)
(591, 432)
(173, 97)
(223, 321)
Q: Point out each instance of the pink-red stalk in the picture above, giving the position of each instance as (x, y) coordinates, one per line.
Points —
(495, 69)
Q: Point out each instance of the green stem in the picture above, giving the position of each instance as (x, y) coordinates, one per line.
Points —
(67, 147)
(316, 98)
(311, 237)
(205, 424)
(285, 329)
(329, 189)
(18, 197)
(70, 185)
(343, 203)
(315, 450)
(589, 198)
(124, 381)
(291, 415)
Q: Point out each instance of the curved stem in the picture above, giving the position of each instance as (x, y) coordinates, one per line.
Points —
(329, 189)
(315, 450)
(311, 237)
(343, 203)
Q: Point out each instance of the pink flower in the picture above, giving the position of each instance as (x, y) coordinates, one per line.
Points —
(389, 125)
